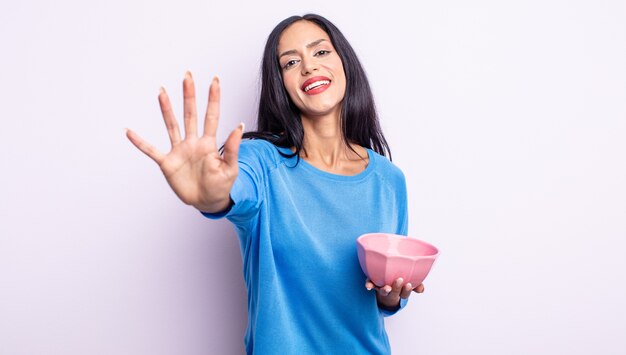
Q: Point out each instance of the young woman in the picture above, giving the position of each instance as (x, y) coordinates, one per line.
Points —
(307, 183)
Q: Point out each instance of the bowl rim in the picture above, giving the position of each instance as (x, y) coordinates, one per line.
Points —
(399, 236)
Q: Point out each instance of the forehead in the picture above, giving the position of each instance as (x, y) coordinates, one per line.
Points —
(299, 34)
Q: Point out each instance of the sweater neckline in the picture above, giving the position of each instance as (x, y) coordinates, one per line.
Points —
(312, 169)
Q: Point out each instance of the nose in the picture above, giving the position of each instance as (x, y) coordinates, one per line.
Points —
(308, 66)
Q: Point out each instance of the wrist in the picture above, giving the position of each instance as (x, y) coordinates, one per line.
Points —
(388, 306)
(217, 207)
(389, 309)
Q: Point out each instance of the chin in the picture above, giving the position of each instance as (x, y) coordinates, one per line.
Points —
(321, 109)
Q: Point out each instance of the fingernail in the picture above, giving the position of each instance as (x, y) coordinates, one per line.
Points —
(188, 74)
(216, 79)
(161, 89)
(400, 281)
(242, 126)
(368, 288)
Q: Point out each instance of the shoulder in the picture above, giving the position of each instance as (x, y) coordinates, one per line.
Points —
(259, 152)
(260, 146)
(387, 170)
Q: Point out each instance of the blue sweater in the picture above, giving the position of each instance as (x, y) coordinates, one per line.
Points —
(297, 226)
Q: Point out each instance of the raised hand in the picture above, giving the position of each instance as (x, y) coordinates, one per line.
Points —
(194, 168)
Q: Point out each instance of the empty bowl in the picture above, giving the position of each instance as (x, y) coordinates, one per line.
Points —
(385, 257)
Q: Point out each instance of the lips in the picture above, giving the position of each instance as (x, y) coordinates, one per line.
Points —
(315, 85)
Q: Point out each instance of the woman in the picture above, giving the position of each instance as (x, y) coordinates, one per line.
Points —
(299, 194)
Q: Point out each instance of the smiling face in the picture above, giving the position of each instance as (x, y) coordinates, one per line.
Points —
(312, 71)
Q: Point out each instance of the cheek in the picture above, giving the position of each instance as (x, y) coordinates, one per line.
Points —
(341, 79)
(290, 85)
(340, 73)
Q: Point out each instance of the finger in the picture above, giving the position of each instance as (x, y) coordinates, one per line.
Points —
(397, 286)
(168, 117)
(189, 103)
(231, 147)
(371, 283)
(419, 288)
(385, 290)
(144, 146)
(213, 109)
(406, 290)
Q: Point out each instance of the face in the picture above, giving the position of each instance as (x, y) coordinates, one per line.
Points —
(312, 70)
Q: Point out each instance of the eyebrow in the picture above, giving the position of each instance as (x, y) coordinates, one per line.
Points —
(293, 51)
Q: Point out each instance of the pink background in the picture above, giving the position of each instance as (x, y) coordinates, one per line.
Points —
(508, 120)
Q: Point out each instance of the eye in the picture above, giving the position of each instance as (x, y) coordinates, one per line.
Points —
(322, 52)
(290, 63)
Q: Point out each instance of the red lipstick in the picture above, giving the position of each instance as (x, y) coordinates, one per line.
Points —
(315, 85)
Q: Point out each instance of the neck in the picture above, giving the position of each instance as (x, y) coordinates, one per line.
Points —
(324, 144)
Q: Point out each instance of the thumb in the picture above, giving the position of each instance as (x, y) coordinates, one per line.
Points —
(231, 147)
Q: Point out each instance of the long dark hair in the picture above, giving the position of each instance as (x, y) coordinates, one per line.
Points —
(279, 119)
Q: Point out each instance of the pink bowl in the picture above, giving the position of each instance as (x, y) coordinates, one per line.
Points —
(385, 257)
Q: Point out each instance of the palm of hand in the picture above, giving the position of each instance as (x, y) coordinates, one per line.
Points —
(194, 168)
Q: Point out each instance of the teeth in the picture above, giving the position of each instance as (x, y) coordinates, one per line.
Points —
(316, 84)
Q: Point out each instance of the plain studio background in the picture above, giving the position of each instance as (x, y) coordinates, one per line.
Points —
(508, 120)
